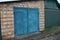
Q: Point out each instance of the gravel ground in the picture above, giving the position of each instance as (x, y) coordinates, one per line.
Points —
(53, 36)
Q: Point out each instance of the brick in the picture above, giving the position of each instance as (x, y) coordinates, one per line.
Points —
(42, 22)
(41, 17)
(8, 16)
(10, 27)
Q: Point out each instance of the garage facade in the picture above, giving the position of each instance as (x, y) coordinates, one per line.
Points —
(10, 12)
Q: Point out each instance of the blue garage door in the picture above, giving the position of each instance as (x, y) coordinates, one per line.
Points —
(26, 20)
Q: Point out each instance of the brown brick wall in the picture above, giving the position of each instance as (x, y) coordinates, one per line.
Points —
(7, 23)
(7, 16)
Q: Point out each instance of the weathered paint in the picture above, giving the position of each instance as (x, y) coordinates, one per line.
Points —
(33, 20)
(20, 21)
(26, 20)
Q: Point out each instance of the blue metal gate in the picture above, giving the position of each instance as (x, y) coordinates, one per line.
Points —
(26, 20)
